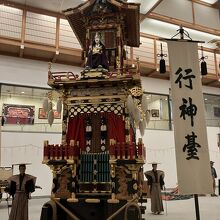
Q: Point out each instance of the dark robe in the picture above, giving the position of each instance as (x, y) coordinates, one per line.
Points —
(156, 182)
(214, 175)
(97, 57)
(19, 189)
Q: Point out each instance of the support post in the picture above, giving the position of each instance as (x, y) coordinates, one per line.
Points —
(197, 206)
(219, 187)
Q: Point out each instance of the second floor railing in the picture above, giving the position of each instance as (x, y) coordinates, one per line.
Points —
(23, 28)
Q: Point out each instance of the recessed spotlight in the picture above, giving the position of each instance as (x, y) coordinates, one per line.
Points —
(210, 1)
(22, 92)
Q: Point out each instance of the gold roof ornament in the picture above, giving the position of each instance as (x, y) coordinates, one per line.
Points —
(136, 91)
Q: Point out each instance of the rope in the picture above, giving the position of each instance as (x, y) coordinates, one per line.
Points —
(136, 206)
(71, 215)
(54, 210)
(122, 208)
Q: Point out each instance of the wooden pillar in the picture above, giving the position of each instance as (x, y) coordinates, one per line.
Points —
(127, 127)
(65, 119)
(73, 195)
(0, 140)
(24, 17)
(119, 63)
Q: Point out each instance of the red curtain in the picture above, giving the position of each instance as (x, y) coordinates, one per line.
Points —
(116, 127)
(76, 130)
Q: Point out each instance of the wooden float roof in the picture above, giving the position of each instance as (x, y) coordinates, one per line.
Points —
(131, 12)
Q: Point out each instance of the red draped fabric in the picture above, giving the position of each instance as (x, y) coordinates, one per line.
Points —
(76, 130)
(116, 127)
(131, 132)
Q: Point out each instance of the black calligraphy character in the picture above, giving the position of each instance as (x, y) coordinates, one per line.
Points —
(187, 76)
(191, 147)
(190, 110)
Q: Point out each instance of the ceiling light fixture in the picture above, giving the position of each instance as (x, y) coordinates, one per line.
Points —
(209, 1)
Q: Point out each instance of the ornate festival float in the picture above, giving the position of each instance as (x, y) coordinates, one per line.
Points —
(98, 167)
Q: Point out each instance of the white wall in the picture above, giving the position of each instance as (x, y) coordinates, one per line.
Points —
(162, 86)
(28, 148)
(19, 147)
(160, 147)
(28, 72)
(160, 144)
(155, 85)
(40, 125)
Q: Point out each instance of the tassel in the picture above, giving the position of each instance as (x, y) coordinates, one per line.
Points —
(162, 61)
(142, 126)
(203, 63)
(204, 68)
(59, 105)
(147, 116)
(130, 105)
(162, 66)
(137, 116)
(144, 104)
(50, 106)
(50, 117)
(45, 105)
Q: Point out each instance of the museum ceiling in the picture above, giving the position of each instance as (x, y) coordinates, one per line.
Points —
(156, 21)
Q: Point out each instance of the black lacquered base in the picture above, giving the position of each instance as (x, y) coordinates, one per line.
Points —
(89, 211)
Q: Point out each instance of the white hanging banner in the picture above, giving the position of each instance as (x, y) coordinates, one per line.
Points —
(191, 145)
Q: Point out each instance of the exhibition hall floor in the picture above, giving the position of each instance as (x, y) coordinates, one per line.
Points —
(176, 210)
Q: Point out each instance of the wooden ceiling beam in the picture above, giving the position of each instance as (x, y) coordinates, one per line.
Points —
(8, 53)
(10, 41)
(143, 16)
(210, 82)
(216, 5)
(205, 3)
(38, 46)
(31, 9)
(154, 6)
(150, 73)
(175, 21)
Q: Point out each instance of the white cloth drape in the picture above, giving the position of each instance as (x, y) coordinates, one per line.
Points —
(192, 155)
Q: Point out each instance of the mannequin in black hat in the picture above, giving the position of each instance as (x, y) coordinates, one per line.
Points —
(214, 175)
(20, 188)
(155, 181)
